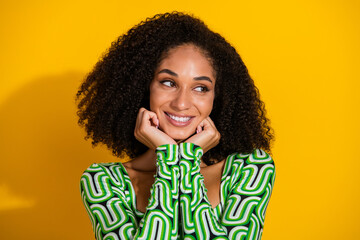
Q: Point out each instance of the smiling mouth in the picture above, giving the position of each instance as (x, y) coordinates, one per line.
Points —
(179, 121)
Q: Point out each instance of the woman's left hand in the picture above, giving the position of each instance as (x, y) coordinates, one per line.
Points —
(207, 136)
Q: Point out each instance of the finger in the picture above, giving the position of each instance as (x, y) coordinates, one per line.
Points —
(139, 117)
(154, 119)
(206, 124)
(139, 125)
(210, 128)
(211, 122)
(151, 118)
(199, 129)
(141, 112)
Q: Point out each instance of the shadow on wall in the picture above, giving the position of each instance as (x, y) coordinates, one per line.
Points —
(43, 154)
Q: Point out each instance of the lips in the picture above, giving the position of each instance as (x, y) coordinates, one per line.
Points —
(179, 121)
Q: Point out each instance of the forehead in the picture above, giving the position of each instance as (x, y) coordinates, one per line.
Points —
(186, 57)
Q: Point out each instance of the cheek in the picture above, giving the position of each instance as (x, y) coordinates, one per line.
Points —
(157, 99)
(153, 103)
(153, 97)
(206, 107)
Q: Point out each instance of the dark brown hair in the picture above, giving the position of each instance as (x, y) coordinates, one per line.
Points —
(113, 92)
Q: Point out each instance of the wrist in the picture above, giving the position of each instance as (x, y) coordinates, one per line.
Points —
(167, 153)
(190, 151)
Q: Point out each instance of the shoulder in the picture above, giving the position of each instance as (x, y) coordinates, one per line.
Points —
(257, 156)
(240, 166)
(239, 160)
(104, 174)
(105, 168)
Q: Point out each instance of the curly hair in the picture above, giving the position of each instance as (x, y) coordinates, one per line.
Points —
(113, 92)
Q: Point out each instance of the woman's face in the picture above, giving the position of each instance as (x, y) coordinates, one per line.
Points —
(182, 91)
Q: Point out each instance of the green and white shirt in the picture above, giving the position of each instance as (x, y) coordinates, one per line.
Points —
(178, 207)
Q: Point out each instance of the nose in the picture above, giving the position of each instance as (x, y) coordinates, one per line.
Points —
(181, 100)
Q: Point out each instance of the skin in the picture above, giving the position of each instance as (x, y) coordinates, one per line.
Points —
(181, 99)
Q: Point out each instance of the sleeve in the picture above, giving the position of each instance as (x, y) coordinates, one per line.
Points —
(249, 193)
(250, 188)
(112, 217)
(198, 220)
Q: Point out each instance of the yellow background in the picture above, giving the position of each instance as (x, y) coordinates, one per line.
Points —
(303, 55)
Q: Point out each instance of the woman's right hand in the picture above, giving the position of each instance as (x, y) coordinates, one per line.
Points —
(147, 132)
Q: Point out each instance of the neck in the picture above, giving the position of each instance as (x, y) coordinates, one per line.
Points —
(146, 162)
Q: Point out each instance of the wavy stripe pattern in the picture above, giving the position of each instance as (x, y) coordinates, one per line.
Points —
(178, 207)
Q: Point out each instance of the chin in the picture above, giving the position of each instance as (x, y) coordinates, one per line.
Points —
(180, 136)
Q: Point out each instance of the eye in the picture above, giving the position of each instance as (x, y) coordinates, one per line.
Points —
(168, 83)
(201, 89)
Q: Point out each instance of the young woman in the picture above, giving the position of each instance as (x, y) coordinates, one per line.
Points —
(176, 99)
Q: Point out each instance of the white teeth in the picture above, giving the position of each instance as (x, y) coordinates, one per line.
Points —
(179, 119)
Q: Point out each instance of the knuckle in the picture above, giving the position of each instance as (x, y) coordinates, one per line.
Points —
(213, 133)
(142, 130)
(145, 114)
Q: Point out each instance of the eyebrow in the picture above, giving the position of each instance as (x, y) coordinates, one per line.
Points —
(203, 78)
(175, 75)
(168, 72)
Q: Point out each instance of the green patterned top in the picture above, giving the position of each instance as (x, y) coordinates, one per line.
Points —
(178, 207)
